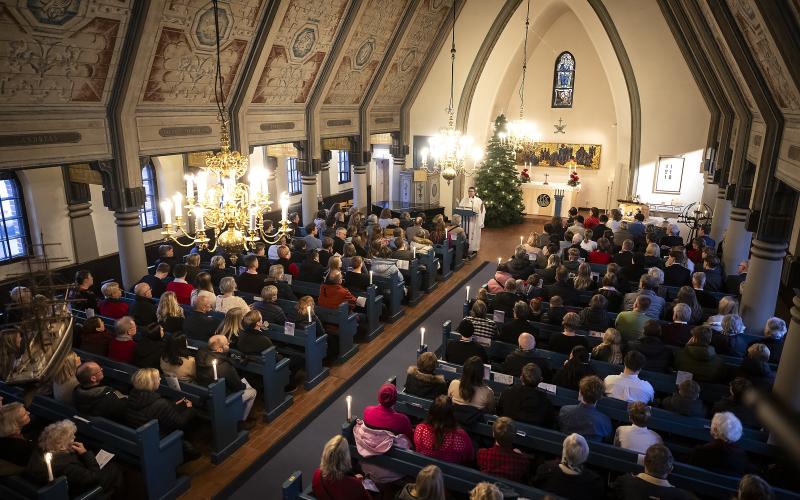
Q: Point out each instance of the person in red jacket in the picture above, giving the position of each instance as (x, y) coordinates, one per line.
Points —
(182, 289)
(122, 346)
(332, 480)
(383, 416)
(332, 293)
(112, 306)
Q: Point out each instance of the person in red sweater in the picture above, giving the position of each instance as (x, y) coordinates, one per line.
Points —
(332, 479)
(112, 306)
(502, 460)
(383, 415)
(182, 289)
(603, 253)
(332, 293)
(440, 437)
(122, 346)
(593, 219)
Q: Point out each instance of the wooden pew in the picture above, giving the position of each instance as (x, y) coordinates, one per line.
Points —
(346, 322)
(393, 291)
(19, 488)
(306, 343)
(157, 458)
(223, 411)
(430, 262)
(446, 256)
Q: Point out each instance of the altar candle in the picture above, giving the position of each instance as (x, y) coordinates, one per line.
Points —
(349, 400)
(214, 366)
(308, 310)
(467, 293)
(370, 277)
(422, 336)
(177, 200)
(48, 459)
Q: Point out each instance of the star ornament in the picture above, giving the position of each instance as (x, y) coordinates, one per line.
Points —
(559, 127)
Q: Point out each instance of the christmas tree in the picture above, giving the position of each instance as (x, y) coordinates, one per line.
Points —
(498, 182)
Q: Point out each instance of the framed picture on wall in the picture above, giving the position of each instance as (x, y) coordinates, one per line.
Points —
(669, 175)
(420, 143)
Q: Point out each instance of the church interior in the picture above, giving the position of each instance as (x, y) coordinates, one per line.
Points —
(411, 249)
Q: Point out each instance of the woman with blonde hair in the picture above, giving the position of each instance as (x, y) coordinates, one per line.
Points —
(568, 477)
(485, 491)
(144, 403)
(332, 480)
(583, 280)
(219, 270)
(227, 299)
(231, 326)
(64, 381)
(14, 446)
(610, 350)
(73, 461)
(169, 312)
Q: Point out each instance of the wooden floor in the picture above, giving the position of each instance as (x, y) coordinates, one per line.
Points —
(209, 479)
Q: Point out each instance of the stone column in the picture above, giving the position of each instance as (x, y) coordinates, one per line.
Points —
(786, 387)
(325, 176)
(309, 197)
(132, 260)
(272, 183)
(722, 216)
(360, 186)
(709, 191)
(84, 240)
(763, 281)
(737, 240)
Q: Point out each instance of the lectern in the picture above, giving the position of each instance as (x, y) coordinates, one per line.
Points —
(467, 219)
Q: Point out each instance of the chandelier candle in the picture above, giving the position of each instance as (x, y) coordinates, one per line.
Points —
(349, 400)
(166, 210)
(189, 186)
(177, 200)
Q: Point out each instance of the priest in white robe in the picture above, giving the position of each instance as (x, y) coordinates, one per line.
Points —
(472, 202)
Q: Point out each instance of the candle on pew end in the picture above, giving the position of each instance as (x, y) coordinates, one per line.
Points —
(214, 366)
(422, 336)
(48, 460)
(467, 293)
(308, 309)
(349, 400)
(370, 277)
(520, 240)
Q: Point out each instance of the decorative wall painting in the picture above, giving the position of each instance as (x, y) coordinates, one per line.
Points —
(554, 154)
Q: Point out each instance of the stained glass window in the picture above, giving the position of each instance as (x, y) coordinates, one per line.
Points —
(564, 80)
(148, 215)
(294, 176)
(13, 230)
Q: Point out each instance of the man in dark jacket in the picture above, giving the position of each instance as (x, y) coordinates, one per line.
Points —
(599, 230)
(340, 240)
(144, 309)
(704, 298)
(326, 252)
(526, 353)
(658, 356)
(732, 281)
(505, 300)
(92, 398)
(156, 281)
(311, 270)
(714, 277)
(144, 403)
(252, 340)
(198, 324)
(678, 332)
(276, 279)
(252, 279)
(213, 364)
(464, 348)
(652, 483)
(675, 274)
(525, 402)
(562, 288)
(357, 279)
(520, 265)
(520, 324)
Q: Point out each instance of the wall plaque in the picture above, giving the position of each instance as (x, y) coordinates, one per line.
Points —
(268, 126)
(384, 119)
(183, 131)
(339, 123)
(10, 141)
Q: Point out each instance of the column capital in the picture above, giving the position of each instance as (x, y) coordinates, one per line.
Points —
(359, 169)
(768, 250)
(739, 214)
(76, 210)
(127, 218)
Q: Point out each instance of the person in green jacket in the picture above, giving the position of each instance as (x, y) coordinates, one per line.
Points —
(630, 324)
(700, 358)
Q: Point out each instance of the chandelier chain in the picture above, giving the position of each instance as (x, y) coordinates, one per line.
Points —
(450, 106)
(219, 89)
(524, 62)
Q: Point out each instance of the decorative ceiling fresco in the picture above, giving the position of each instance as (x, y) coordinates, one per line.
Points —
(301, 45)
(729, 60)
(60, 53)
(365, 51)
(406, 62)
(182, 71)
(766, 54)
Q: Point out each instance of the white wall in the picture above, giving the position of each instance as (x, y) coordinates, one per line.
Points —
(105, 229)
(333, 173)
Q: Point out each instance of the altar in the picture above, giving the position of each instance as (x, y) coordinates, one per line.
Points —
(539, 198)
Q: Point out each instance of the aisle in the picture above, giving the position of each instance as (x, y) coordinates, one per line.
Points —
(303, 451)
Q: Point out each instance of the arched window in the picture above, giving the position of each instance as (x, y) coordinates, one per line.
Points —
(148, 215)
(564, 80)
(13, 233)
(294, 175)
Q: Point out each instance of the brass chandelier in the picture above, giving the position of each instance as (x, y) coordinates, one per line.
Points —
(450, 148)
(215, 198)
(521, 134)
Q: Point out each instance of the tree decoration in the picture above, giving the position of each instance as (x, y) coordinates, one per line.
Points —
(498, 181)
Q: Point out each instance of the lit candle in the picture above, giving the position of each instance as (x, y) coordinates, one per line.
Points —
(499, 260)
(414, 251)
(189, 185)
(520, 240)
(202, 185)
(422, 336)
(200, 224)
(177, 199)
(467, 293)
(48, 459)
(370, 277)
(349, 400)
(265, 182)
(284, 206)
(166, 209)
(308, 309)
(252, 224)
(214, 366)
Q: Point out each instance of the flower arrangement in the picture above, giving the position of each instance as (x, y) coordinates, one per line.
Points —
(524, 176)
(574, 179)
